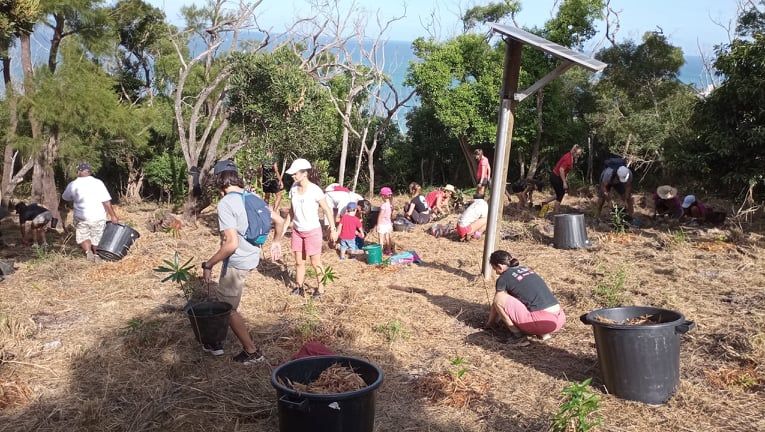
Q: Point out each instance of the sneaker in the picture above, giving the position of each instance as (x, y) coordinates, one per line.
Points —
(544, 337)
(215, 349)
(317, 295)
(298, 291)
(249, 358)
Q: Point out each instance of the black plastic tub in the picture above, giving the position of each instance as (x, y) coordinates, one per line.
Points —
(639, 362)
(116, 241)
(570, 232)
(209, 321)
(341, 412)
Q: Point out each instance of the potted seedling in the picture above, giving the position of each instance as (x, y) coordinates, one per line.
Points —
(208, 318)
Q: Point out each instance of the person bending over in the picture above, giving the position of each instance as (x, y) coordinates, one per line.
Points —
(34, 218)
(473, 220)
(523, 302)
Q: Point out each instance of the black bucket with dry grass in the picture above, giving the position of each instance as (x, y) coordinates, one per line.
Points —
(639, 350)
(209, 321)
(339, 412)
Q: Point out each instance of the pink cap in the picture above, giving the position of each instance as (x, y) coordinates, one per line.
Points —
(386, 191)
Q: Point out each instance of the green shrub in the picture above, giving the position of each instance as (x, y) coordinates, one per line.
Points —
(577, 412)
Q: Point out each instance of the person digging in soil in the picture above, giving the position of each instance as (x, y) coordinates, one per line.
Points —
(523, 301)
(238, 256)
(34, 218)
(559, 176)
(473, 220)
(666, 203)
(618, 179)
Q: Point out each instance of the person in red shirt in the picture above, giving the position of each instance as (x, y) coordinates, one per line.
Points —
(559, 175)
(349, 227)
(483, 172)
(438, 200)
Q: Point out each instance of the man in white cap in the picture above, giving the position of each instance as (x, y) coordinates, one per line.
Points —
(92, 203)
(619, 179)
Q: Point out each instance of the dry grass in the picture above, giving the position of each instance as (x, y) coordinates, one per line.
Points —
(127, 359)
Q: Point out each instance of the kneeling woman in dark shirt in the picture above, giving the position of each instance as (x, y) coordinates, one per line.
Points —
(523, 301)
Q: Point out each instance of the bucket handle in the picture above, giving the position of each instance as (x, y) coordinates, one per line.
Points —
(685, 327)
(301, 406)
(584, 319)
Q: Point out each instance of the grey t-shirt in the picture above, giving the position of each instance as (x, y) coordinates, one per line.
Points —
(231, 214)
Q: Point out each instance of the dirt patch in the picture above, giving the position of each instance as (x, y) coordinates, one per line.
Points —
(443, 388)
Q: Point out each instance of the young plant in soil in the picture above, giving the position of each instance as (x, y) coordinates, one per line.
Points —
(392, 330)
(577, 412)
(619, 219)
(178, 273)
(610, 290)
(459, 367)
(326, 277)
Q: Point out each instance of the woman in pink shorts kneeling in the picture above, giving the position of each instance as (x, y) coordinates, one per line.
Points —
(523, 300)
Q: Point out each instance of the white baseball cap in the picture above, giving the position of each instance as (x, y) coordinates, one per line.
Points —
(624, 174)
(298, 165)
(689, 200)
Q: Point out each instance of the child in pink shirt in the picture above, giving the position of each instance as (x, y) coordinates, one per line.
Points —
(384, 222)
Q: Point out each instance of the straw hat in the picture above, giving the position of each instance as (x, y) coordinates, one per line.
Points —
(666, 192)
(449, 188)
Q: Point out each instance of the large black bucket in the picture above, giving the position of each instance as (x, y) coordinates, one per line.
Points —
(116, 241)
(570, 232)
(639, 362)
(341, 412)
(209, 320)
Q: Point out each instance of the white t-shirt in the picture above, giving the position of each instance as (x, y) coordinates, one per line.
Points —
(305, 207)
(88, 195)
(339, 200)
(477, 210)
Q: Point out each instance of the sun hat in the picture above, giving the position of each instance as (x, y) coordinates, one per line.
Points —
(224, 165)
(689, 200)
(449, 188)
(298, 165)
(666, 192)
(624, 174)
(351, 206)
(386, 191)
(84, 166)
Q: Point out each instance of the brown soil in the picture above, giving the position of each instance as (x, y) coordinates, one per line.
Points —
(127, 360)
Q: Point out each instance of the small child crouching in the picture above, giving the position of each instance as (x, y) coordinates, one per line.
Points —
(349, 227)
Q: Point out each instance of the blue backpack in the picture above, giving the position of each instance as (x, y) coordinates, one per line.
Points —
(258, 218)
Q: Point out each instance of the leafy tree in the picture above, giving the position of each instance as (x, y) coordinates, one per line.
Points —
(642, 107)
(280, 107)
(726, 153)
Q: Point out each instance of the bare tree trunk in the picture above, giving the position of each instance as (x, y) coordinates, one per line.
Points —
(522, 165)
(43, 181)
(590, 159)
(371, 165)
(362, 147)
(534, 162)
(134, 185)
(471, 163)
(343, 154)
(6, 190)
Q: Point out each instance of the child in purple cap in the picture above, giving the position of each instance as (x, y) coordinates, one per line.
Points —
(384, 221)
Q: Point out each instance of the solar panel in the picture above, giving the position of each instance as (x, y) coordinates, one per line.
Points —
(551, 48)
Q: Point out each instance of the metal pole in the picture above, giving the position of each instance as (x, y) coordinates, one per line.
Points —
(512, 68)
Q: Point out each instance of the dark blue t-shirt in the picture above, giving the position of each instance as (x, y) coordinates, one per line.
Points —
(525, 285)
(30, 212)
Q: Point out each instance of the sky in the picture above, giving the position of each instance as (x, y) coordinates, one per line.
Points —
(689, 24)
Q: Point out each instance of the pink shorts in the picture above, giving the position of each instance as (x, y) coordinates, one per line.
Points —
(308, 242)
(463, 231)
(534, 323)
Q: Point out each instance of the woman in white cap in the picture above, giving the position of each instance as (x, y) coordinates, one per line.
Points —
(693, 208)
(666, 202)
(438, 199)
(307, 239)
(619, 179)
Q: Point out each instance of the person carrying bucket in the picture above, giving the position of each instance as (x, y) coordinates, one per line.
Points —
(238, 256)
(92, 203)
(523, 302)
